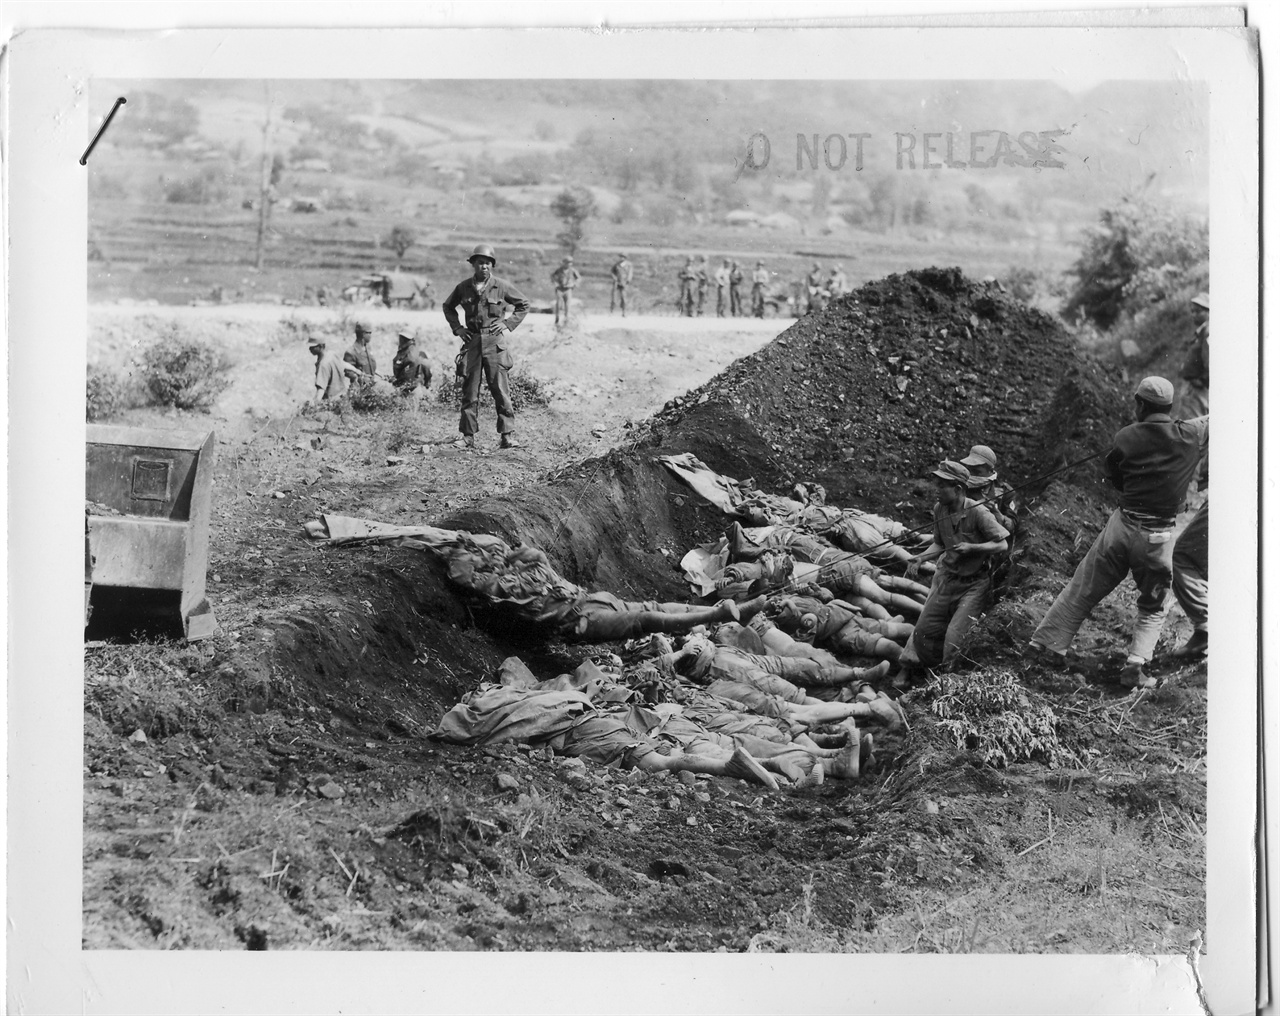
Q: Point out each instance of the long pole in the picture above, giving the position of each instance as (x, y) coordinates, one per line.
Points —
(264, 193)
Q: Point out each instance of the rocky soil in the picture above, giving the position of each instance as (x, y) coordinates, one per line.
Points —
(275, 787)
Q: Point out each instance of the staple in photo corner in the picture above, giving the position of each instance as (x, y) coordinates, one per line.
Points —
(521, 518)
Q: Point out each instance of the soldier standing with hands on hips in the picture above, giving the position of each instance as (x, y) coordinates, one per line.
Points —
(484, 299)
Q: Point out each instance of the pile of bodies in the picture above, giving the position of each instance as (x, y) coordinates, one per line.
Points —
(709, 707)
(778, 662)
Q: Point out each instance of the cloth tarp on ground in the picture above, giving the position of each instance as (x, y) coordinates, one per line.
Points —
(863, 529)
(703, 565)
(345, 529)
(513, 713)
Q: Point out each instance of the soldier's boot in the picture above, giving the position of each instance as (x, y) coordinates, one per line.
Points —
(874, 674)
(847, 765)
(508, 441)
(742, 766)
(887, 712)
(1195, 647)
(815, 777)
(1134, 675)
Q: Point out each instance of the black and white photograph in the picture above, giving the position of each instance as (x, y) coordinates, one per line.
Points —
(603, 507)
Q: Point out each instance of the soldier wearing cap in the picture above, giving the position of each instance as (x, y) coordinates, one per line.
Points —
(1151, 462)
(688, 279)
(759, 279)
(838, 283)
(331, 383)
(484, 299)
(358, 362)
(703, 279)
(735, 289)
(409, 367)
(966, 537)
(984, 484)
(1195, 369)
(621, 272)
(565, 278)
(722, 276)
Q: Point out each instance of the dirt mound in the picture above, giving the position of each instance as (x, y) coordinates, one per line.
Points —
(868, 395)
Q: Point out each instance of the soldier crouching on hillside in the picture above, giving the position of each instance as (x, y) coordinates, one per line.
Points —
(484, 299)
(410, 368)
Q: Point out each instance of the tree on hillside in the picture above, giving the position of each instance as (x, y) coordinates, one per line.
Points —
(821, 196)
(400, 239)
(1138, 254)
(573, 206)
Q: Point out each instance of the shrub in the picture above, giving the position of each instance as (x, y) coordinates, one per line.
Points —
(205, 188)
(1138, 254)
(106, 394)
(573, 206)
(1023, 283)
(183, 372)
(991, 715)
(376, 397)
(402, 434)
(400, 239)
(527, 392)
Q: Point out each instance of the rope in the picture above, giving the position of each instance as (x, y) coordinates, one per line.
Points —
(893, 540)
(1012, 490)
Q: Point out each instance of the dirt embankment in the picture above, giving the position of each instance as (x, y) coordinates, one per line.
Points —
(866, 397)
(313, 812)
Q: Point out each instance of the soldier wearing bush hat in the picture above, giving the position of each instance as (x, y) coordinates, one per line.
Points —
(966, 537)
(484, 299)
(409, 367)
(1151, 463)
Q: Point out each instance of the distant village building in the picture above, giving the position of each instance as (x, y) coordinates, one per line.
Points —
(313, 166)
(780, 220)
(742, 217)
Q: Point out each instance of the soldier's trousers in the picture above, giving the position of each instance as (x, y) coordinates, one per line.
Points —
(493, 361)
(563, 296)
(1191, 569)
(953, 605)
(1124, 545)
(618, 296)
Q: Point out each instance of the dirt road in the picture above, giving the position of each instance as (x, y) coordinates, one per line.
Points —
(602, 372)
(283, 793)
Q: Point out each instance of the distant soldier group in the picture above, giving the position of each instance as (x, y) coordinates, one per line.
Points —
(819, 290)
(695, 280)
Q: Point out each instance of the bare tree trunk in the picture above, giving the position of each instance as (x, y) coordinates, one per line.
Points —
(264, 194)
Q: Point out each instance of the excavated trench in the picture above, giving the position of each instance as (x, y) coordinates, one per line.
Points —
(863, 398)
(349, 667)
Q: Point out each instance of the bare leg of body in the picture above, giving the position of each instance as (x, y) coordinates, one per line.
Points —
(898, 584)
(739, 764)
(681, 617)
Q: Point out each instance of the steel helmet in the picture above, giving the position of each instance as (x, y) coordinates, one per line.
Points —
(483, 250)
